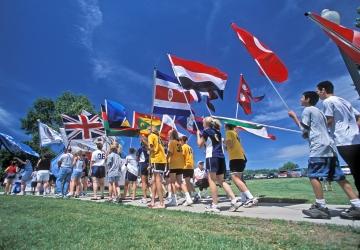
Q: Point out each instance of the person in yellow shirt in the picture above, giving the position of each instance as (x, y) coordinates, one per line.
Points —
(176, 163)
(158, 164)
(188, 171)
(237, 163)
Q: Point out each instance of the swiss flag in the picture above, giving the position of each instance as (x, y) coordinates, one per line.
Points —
(269, 62)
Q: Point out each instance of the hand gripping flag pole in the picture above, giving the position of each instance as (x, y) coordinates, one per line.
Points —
(187, 101)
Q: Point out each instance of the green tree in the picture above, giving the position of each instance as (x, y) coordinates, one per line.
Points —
(289, 166)
(49, 112)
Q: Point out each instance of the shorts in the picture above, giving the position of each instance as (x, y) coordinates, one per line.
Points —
(325, 168)
(33, 184)
(202, 184)
(42, 176)
(158, 167)
(76, 175)
(84, 173)
(26, 176)
(237, 165)
(98, 171)
(143, 167)
(188, 173)
(112, 179)
(130, 177)
(52, 178)
(216, 165)
(177, 171)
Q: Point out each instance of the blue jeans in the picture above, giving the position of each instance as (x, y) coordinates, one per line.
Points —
(63, 180)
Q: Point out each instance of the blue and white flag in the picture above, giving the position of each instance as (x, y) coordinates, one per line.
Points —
(15, 146)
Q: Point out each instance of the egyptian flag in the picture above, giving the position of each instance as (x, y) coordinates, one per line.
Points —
(198, 76)
(271, 64)
(169, 96)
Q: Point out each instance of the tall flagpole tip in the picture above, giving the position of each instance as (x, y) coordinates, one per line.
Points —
(307, 13)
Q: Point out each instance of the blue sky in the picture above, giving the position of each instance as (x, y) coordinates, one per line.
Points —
(107, 49)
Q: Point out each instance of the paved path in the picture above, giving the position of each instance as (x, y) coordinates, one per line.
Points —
(283, 211)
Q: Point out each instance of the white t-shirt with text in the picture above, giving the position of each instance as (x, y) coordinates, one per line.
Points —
(98, 158)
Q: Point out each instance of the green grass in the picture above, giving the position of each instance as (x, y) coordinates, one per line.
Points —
(38, 223)
(287, 189)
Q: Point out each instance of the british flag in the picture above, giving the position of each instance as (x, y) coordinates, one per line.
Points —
(82, 127)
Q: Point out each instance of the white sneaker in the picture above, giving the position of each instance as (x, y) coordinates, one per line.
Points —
(21, 193)
(69, 195)
(181, 201)
(235, 206)
(212, 209)
(59, 196)
(172, 203)
(251, 202)
(143, 201)
(188, 203)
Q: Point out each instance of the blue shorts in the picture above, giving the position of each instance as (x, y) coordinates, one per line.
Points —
(325, 168)
(98, 171)
(143, 167)
(216, 165)
(112, 179)
(76, 174)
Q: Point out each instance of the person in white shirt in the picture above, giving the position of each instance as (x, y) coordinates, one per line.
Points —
(97, 166)
(64, 174)
(344, 121)
(131, 173)
(200, 178)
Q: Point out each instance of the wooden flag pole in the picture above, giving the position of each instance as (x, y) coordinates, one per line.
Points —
(172, 66)
(272, 85)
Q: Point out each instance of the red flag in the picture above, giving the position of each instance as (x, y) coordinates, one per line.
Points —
(244, 96)
(347, 39)
(270, 63)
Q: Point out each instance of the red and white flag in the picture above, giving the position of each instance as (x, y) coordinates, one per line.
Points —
(244, 96)
(347, 39)
(167, 124)
(198, 76)
(267, 59)
(83, 127)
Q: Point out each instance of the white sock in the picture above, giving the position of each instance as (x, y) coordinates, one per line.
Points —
(321, 202)
(174, 197)
(233, 201)
(187, 195)
(170, 194)
(243, 197)
(355, 202)
(248, 194)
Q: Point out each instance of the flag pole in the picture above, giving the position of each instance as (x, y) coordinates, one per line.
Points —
(272, 85)
(259, 124)
(208, 110)
(237, 110)
(172, 66)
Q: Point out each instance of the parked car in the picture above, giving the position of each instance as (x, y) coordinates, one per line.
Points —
(283, 174)
(260, 176)
(296, 173)
(272, 175)
(346, 170)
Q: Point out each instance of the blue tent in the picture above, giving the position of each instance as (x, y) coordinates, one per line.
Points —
(14, 146)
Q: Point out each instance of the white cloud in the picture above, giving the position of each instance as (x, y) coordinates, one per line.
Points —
(212, 16)
(293, 152)
(92, 18)
(271, 116)
(6, 119)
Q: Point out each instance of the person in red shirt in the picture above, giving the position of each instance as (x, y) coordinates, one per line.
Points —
(10, 176)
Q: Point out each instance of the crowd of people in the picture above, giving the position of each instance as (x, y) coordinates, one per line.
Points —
(166, 170)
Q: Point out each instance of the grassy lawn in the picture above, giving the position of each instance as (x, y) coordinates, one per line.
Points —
(43, 223)
(288, 189)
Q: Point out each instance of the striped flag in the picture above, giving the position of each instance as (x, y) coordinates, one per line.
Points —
(251, 127)
(169, 96)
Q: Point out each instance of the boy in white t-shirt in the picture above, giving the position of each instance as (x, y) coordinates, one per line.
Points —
(97, 166)
(323, 163)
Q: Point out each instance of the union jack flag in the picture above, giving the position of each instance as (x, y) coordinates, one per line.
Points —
(82, 127)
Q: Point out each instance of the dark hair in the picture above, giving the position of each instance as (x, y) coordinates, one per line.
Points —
(229, 126)
(184, 138)
(312, 96)
(99, 146)
(327, 85)
(132, 150)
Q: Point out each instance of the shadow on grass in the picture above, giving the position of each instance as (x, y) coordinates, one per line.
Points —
(281, 201)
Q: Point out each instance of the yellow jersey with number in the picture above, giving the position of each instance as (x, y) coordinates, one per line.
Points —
(157, 155)
(176, 159)
(188, 156)
(236, 151)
